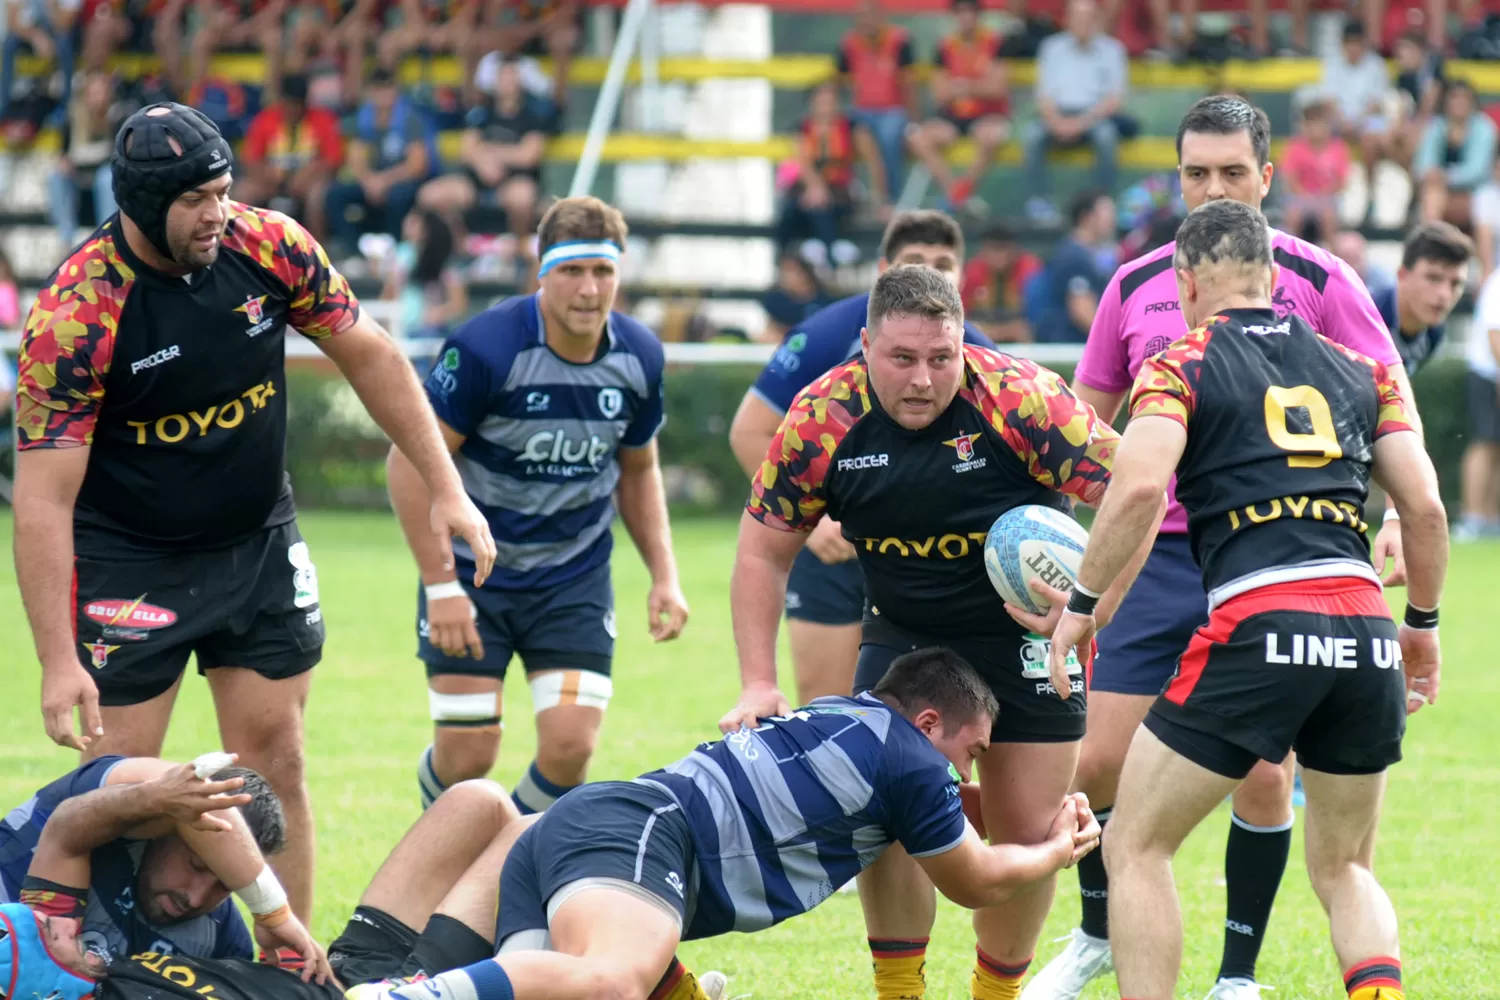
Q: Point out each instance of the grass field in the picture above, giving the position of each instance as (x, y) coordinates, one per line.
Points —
(368, 722)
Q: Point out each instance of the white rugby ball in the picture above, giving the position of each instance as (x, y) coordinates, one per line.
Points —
(1033, 542)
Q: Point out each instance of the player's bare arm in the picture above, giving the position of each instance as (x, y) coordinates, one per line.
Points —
(1389, 542)
(757, 590)
(47, 482)
(1106, 404)
(975, 874)
(642, 501)
(751, 431)
(388, 387)
(1404, 470)
(450, 620)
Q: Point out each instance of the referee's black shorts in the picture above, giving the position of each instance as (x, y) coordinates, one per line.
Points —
(253, 604)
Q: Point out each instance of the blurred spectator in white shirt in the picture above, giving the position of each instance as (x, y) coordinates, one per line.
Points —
(1486, 217)
(1356, 82)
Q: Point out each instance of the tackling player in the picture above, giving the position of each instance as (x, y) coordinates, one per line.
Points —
(1434, 268)
(825, 596)
(747, 832)
(1223, 152)
(550, 403)
(1273, 432)
(915, 450)
(154, 516)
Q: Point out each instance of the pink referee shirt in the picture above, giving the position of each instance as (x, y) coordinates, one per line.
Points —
(1139, 317)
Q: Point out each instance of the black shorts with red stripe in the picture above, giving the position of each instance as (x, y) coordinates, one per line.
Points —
(1312, 666)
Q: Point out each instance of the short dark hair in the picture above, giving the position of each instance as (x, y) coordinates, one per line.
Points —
(1440, 242)
(940, 679)
(913, 290)
(1317, 111)
(581, 218)
(1354, 28)
(1226, 114)
(999, 232)
(262, 813)
(1223, 231)
(921, 226)
(1084, 203)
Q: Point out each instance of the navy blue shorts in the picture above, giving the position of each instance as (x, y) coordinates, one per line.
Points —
(626, 833)
(1138, 649)
(826, 593)
(569, 626)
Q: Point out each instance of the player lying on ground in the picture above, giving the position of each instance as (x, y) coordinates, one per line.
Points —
(159, 878)
(441, 877)
(750, 831)
(1273, 432)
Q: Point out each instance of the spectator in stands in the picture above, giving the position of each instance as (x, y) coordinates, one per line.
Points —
(88, 141)
(104, 27)
(1480, 468)
(796, 295)
(291, 154)
(46, 28)
(432, 26)
(1420, 82)
(1387, 20)
(1074, 279)
(875, 61)
(392, 152)
(969, 90)
(501, 163)
(422, 279)
(1314, 168)
(534, 29)
(219, 24)
(1486, 218)
(1457, 155)
(1357, 86)
(1185, 44)
(1434, 271)
(818, 199)
(1350, 247)
(1081, 80)
(994, 286)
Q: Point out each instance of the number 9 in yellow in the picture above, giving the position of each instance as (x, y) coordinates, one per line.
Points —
(1315, 449)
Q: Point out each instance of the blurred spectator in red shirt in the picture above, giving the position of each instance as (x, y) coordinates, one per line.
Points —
(875, 60)
(994, 286)
(969, 89)
(1314, 168)
(291, 153)
(818, 200)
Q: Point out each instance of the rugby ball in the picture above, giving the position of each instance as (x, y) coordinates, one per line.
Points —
(1033, 542)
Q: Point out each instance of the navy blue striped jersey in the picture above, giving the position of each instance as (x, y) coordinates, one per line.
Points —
(820, 343)
(113, 926)
(541, 436)
(1416, 348)
(784, 814)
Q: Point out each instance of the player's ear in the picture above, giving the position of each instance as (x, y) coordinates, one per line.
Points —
(864, 340)
(1275, 275)
(1266, 173)
(929, 720)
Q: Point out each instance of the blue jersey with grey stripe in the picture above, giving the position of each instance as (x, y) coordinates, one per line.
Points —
(113, 925)
(784, 814)
(541, 435)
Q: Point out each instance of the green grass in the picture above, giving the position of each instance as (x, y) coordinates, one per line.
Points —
(368, 722)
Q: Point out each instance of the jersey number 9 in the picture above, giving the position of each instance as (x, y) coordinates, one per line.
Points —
(1314, 449)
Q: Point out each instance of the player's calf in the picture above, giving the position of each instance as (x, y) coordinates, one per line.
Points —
(466, 740)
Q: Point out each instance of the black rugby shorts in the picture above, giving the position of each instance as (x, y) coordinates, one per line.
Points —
(253, 605)
(1311, 666)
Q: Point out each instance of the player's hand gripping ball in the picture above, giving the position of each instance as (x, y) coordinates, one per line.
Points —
(1033, 543)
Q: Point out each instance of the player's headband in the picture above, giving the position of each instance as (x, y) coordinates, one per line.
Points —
(162, 151)
(577, 250)
(27, 966)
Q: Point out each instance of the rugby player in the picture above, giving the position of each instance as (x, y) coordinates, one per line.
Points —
(747, 832)
(1274, 433)
(916, 449)
(440, 877)
(825, 596)
(159, 876)
(154, 517)
(1434, 269)
(1223, 151)
(550, 403)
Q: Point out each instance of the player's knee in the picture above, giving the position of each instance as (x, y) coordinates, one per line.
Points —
(1265, 797)
(482, 797)
(1098, 772)
(466, 754)
(570, 750)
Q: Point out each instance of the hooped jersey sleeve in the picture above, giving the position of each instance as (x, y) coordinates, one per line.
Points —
(788, 492)
(1065, 446)
(1167, 383)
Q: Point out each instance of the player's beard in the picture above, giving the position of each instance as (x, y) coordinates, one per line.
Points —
(185, 252)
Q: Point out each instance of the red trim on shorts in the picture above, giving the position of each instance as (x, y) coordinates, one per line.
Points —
(1339, 596)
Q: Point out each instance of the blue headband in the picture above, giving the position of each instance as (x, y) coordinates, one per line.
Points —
(577, 250)
(27, 968)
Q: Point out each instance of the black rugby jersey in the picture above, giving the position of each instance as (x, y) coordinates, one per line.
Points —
(1281, 427)
(178, 385)
(152, 976)
(917, 505)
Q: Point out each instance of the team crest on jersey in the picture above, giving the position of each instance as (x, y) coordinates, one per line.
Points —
(99, 653)
(964, 446)
(611, 401)
(255, 311)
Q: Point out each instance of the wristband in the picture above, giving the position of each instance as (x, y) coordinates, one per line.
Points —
(1421, 619)
(1082, 602)
(54, 899)
(448, 588)
(275, 918)
(1392, 514)
(263, 897)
